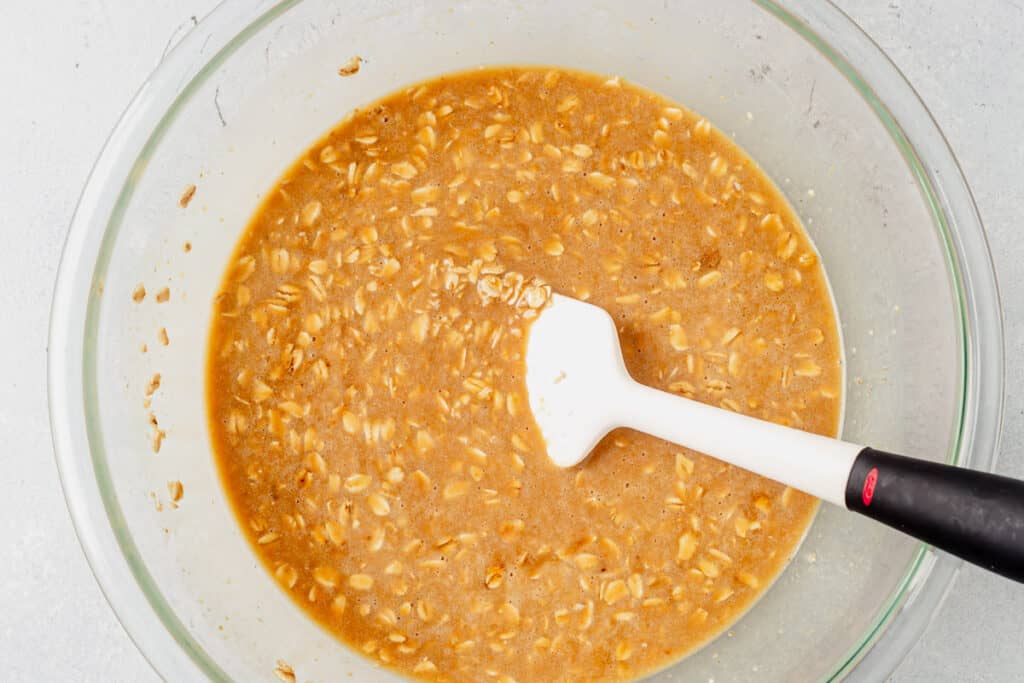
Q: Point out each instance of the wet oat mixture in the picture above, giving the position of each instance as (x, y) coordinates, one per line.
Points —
(366, 387)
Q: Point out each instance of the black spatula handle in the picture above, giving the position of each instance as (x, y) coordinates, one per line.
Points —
(973, 515)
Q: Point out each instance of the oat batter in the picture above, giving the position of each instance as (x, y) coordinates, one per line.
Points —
(366, 388)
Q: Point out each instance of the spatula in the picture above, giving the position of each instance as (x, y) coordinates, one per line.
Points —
(579, 390)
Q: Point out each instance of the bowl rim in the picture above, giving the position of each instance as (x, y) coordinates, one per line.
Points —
(102, 532)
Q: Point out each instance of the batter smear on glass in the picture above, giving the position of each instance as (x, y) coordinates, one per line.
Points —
(366, 377)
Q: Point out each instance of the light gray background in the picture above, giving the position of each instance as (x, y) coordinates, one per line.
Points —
(67, 72)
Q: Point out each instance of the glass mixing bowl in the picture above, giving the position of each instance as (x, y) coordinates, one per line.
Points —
(799, 87)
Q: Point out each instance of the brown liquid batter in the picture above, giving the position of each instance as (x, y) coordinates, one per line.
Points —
(366, 387)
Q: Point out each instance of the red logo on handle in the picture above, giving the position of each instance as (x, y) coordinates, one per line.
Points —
(868, 492)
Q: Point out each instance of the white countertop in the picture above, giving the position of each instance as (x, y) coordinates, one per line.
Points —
(66, 80)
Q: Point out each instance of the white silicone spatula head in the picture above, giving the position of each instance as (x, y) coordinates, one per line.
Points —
(574, 369)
